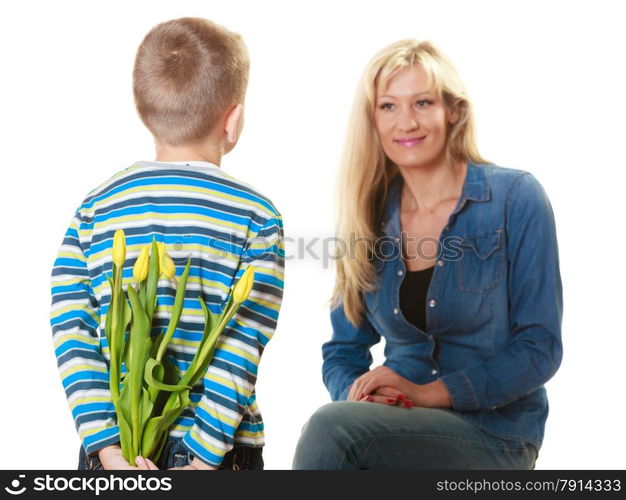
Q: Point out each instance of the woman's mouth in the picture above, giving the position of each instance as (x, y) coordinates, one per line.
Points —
(409, 142)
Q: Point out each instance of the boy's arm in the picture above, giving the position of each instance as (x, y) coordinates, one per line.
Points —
(75, 317)
(231, 376)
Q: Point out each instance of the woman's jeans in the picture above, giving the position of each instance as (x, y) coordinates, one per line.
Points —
(348, 435)
(174, 454)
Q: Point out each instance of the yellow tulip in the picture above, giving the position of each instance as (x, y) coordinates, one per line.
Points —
(140, 269)
(161, 248)
(244, 286)
(119, 248)
(168, 269)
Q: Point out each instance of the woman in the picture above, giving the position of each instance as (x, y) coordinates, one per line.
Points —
(454, 262)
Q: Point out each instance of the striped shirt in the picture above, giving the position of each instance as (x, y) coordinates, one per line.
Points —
(223, 225)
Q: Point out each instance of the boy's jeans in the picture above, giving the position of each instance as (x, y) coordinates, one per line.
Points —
(176, 455)
(348, 435)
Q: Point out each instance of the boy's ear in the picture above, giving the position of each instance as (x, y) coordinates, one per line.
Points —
(232, 126)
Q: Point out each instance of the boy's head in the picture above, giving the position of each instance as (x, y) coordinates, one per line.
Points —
(188, 73)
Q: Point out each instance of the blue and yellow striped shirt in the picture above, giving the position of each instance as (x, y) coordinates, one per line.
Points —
(224, 225)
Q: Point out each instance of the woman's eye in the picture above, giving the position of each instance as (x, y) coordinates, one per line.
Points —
(422, 103)
(386, 105)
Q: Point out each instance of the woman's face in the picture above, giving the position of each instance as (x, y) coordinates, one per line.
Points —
(411, 120)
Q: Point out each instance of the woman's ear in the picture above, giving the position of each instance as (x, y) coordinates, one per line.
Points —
(454, 111)
(233, 124)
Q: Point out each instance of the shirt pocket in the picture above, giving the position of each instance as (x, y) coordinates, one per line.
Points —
(481, 265)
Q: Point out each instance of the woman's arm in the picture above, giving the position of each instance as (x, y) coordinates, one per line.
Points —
(535, 308)
(347, 355)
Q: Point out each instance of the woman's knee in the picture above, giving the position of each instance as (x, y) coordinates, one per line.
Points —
(330, 419)
(325, 438)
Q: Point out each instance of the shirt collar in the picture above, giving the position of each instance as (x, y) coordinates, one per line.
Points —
(190, 163)
(475, 188)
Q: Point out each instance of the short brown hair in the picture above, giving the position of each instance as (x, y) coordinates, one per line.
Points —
(187, 72)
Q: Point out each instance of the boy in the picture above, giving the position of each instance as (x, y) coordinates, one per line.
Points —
(189, 83)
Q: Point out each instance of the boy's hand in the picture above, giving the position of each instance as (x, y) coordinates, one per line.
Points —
(112, 458)
(144, 463)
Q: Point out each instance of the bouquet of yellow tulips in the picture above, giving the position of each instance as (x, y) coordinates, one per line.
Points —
(152, 393)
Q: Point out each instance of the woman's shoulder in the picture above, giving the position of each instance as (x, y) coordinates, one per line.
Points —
(511, 182)
(519, 190)
(500, 173)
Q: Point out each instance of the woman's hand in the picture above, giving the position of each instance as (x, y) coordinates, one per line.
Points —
(111, 458)
(382, 385)
(388, 396)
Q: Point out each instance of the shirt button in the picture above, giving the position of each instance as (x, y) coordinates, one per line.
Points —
(434, 372)
(440, 263)
(400, 272)
(396, 310)
(432, 303)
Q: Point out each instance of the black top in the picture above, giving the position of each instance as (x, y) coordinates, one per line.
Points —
(413, 295)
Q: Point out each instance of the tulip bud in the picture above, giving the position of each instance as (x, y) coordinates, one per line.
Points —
(244, 286)
(161, 248)
(140, 269)
(168, 269)
(119, 248)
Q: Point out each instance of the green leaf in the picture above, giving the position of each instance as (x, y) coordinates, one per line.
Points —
(179, 302)
(126, 439)
(123, 420)
(204, 354)
(140, 344)
(142, 293)
(154, 375)
(152, 281)
(155, 344)
(209, 324)
(145, 415)
(126, 355)
(157, 428)
(212, 324)
(125, 321)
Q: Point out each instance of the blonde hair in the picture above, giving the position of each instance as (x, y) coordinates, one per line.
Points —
(187, 72)
(366, 172)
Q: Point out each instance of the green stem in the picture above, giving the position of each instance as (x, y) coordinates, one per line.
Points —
(114, 375)
(140, 331)
(176, 311)
(194, 371)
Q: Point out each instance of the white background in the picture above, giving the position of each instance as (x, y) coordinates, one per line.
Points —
(547, 81)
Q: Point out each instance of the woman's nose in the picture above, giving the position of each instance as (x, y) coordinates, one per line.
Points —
(407, 121)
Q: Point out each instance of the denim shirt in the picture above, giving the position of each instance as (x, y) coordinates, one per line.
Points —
(493, 310)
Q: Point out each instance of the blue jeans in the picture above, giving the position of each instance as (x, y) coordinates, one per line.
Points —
(347, 435)
(174, 454)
